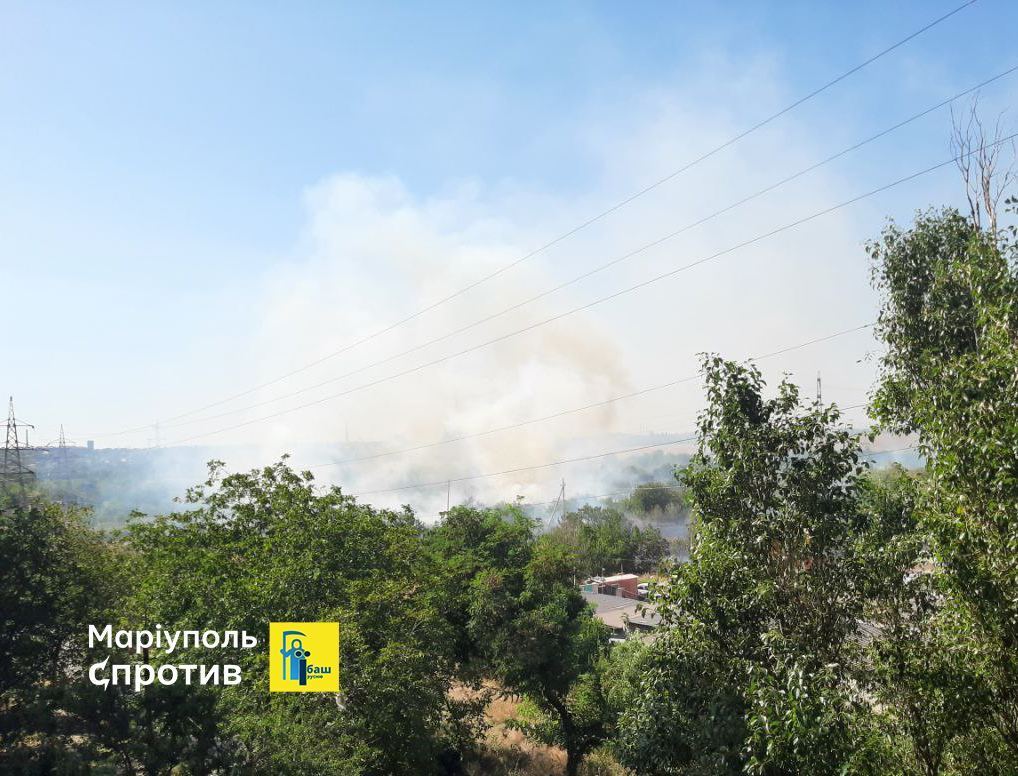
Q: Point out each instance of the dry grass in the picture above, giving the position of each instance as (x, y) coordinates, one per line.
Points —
(507, 752)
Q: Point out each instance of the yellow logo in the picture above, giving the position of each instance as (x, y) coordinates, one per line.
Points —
(304, 656)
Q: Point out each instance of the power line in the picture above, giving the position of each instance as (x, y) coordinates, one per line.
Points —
(590, 221)
(573, 410)
(598, 301)
(590, 273)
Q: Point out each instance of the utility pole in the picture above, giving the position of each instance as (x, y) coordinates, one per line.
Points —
(557, 511)
(562, 501)
(820, 394)
(14, 471)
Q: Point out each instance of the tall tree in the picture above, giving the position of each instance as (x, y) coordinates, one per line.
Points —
(57, 576)
(523, 622)
(268, 545)
(605, 541)
(949, 320)
(751, 672)
(925, 692)
(540, 640)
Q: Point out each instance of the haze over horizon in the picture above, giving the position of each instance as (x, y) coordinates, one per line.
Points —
(197, 201)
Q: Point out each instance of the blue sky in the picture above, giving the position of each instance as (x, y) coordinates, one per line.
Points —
(159, 163)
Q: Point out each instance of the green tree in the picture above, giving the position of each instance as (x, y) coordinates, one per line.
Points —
(268, 546)
(603, 540)
(522, 621)
(657, 497)
(752, 670)
(539, 640)
(57, 576)
(915, 668)
(949, 320)
(469, 542)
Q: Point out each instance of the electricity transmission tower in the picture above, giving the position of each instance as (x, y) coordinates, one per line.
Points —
(14, 471)
(62, 463)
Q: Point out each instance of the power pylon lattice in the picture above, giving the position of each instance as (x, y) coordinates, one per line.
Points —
(14, 471)
(65, 469)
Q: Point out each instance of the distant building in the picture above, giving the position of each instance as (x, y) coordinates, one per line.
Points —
(625, 585)
(625, 617)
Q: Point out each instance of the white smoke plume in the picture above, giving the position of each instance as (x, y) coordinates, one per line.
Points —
(374, 254)
(375, 249)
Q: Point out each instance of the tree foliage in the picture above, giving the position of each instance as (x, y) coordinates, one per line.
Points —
(949, 320)
(655, 498)
(267, 546)
(56, 577)
(603, 541)
(752, 672)
(528, 626)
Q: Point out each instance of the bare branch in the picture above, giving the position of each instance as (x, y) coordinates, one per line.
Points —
(978, 157)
